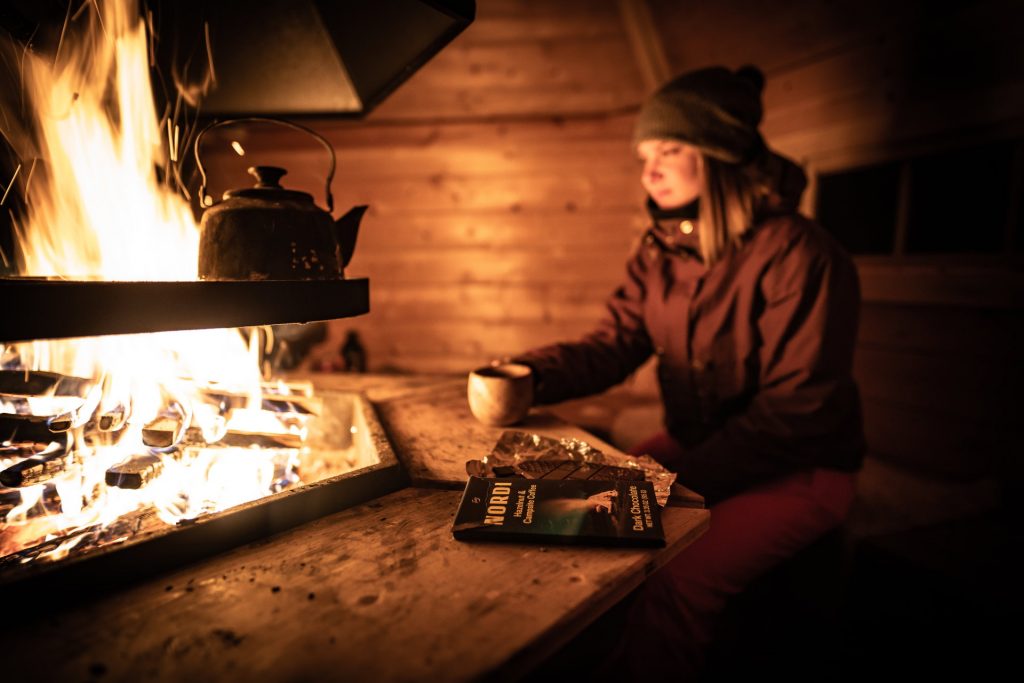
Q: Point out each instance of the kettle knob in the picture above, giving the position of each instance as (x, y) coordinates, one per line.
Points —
(267, 177)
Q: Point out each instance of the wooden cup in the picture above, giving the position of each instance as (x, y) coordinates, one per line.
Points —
(500, 394)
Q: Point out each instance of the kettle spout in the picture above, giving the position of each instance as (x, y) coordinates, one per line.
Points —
(346, 229)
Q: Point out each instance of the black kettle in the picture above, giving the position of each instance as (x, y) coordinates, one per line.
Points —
(268, 232)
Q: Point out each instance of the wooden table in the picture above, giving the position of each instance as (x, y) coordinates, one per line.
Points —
(379, 592)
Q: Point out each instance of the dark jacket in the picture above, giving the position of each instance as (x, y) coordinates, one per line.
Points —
(754, 353)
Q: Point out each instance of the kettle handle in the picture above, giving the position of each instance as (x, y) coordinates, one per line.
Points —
(205, 200)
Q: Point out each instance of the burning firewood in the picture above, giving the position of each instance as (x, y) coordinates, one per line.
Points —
(37, 383)
(125, 526)
(262, 440)
(29, 416)
(35, 428)
(39, 468)
(135, 472)
(113, 420)
(165, 432)
(271, 402)
(21, 449)
(48, 504)
(60, 423)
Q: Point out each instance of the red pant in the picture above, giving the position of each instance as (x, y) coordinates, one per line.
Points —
(672, 619)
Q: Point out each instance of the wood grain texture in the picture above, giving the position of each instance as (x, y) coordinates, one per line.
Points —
(378, 592)
(442, 455)
(504, 196)
(850, 80)
(501, 185)
(526, 57)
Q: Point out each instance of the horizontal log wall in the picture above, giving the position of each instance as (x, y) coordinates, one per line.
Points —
(856, 81)
(502, 189)
(503, 194)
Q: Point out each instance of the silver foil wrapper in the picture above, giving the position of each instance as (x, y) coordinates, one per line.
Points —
(514, 447)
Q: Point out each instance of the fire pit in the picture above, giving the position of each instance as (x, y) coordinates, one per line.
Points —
(343, 458)
(138, 427)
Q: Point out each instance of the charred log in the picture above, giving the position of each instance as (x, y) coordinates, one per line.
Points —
(113, 420)
(38, 383)
(48, 504)
(125, 526)
(23, 449)
(166, 432)
(61, 423)
(276, 403)
(135, 472)
(39, 468)
(34, 428)
(262, 440)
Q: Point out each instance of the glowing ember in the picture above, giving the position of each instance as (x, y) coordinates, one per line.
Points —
(98, 428)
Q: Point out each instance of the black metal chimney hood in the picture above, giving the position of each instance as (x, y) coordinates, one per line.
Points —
(289, 58)
(278, 58)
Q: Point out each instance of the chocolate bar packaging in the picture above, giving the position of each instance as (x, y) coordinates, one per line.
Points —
(611, 512)
(532, 456)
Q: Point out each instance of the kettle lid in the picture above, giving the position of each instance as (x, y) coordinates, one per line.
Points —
(268, 186)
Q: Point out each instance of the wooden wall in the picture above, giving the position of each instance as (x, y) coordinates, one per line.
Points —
(502, 189)
(855, 81)
(504, 195)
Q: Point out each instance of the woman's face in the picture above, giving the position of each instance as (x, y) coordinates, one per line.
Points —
(672, 172)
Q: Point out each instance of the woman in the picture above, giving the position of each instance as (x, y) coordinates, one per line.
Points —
(752, 311)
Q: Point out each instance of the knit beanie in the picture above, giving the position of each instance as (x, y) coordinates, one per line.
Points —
(714, 109)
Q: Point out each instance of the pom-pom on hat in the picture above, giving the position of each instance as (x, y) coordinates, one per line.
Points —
(714, 109)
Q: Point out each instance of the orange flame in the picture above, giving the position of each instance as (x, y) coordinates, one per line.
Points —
(100, 212)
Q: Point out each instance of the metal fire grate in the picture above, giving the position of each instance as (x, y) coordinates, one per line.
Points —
(348, 459)
(351, 456)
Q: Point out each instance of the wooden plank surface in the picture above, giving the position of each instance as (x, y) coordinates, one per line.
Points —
(379, 592)
(441, 454)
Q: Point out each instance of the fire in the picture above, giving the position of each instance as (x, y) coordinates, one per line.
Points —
(96, 209)
(103, 210)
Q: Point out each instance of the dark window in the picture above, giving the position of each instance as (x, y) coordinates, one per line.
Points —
(959, 200)
(859, 207)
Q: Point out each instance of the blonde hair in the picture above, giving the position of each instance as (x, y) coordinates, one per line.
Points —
(728, 198)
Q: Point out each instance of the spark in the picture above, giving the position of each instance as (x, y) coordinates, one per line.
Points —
(99, 18)
(151, 34)
(237, 146)
(28, 180)
(170, 142)
(10, 185)
(63, 30)
(209, 51)
(81, 8)
(21, 68)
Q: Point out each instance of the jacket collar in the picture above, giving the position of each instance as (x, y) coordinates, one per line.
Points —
(676, 230)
